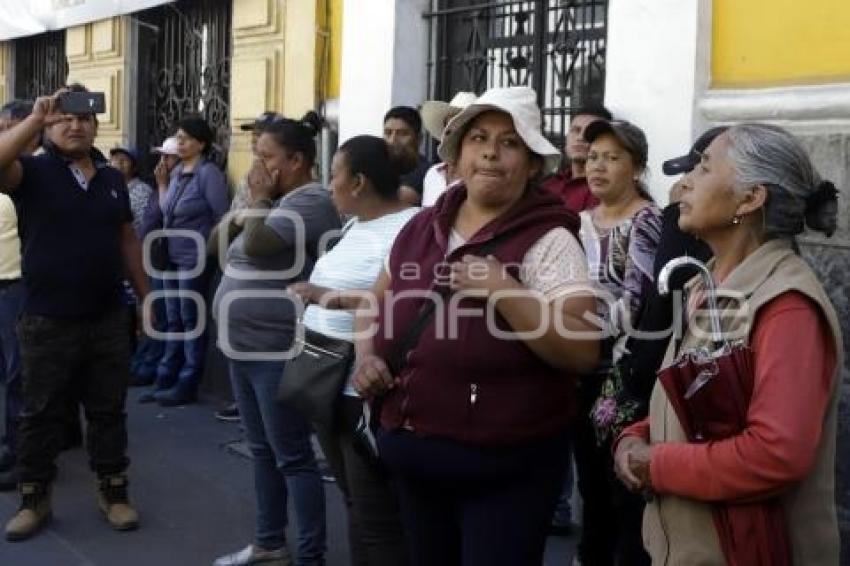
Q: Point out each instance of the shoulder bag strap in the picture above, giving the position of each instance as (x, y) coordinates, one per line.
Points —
(397, 359)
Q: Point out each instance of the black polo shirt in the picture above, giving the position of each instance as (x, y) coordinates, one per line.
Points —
(72, 261)
(416, 179)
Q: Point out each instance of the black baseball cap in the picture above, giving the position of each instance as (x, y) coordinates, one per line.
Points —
(686, 163)
(630, 137)
(262, 121)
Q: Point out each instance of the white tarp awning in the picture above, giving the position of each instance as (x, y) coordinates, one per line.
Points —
(20, 18)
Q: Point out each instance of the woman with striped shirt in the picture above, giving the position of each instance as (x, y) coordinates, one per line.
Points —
(365, 180)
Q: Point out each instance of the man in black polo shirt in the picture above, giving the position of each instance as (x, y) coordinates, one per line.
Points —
(403, 131)
(78, 244)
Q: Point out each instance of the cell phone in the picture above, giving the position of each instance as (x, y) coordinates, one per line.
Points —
(82, 103)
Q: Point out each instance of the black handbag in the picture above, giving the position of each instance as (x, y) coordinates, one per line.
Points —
(159, 247)
(159, 253)
(313, 381)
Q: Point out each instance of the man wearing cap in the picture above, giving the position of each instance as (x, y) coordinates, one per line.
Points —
(168, 153)
(78, 245)
(435, 116)
(571, 182)
(242, 196)
(169, 157)
(126, 160)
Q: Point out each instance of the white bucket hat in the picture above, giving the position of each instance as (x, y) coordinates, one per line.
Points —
(168, 147)
(521, 104)
(435, 112)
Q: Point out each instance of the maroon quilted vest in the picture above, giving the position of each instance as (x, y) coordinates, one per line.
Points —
(475, 387)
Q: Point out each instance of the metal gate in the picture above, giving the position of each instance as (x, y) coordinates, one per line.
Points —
(184, 68)
(556, 47)
(41, 66)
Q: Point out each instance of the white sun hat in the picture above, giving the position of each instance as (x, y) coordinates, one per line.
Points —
(435, 112)
(520, 103)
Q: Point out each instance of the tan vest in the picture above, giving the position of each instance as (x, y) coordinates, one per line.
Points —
(680, 532)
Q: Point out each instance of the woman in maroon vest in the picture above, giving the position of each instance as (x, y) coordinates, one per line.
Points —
(475, 413)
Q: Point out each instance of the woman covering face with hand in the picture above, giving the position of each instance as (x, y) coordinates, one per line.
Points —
(267, 247)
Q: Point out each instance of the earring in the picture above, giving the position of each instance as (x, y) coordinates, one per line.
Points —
(736, 220)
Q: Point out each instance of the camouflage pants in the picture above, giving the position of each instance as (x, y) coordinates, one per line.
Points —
(63, 359)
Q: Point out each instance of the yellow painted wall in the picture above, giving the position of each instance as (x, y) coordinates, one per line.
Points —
(5, 70)
(759, 43)
(274, 67)
(97, 58)
(328, 48)
(333, 24)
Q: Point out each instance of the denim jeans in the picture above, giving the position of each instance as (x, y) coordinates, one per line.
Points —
(284, 462)
(64, 360)
(149, 351)
(11, 303)
(182, 361)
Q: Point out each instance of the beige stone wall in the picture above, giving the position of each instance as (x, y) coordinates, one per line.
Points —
(98, 58)
(273, 67)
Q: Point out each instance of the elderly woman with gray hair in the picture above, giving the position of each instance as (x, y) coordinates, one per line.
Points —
(754, 190)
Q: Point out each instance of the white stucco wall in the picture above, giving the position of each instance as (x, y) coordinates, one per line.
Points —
(657, 68)
(384, 57)
(368, 31)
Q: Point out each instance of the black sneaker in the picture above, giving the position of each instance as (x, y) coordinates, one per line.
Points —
(229, 414)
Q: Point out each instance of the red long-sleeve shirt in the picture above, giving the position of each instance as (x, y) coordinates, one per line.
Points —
(794, 362)
(574, 192)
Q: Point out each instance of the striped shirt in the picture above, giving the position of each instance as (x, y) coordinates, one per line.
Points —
(354, 263)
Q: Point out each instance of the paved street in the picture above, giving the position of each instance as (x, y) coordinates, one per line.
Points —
(195, 497)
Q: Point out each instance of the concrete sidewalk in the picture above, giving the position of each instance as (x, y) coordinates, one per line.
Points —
(195, 498)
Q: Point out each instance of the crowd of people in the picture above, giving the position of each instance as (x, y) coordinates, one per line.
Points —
(504, 315)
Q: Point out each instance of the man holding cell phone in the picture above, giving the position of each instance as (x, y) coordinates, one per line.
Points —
(78, 244)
